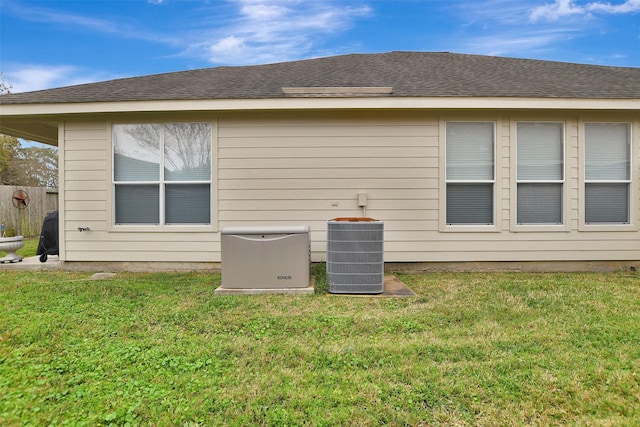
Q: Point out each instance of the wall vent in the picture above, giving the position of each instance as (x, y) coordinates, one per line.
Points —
(337, 91)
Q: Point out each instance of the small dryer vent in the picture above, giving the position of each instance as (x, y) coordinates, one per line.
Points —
(355, 256)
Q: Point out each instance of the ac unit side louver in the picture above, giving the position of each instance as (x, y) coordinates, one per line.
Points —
(355, 256)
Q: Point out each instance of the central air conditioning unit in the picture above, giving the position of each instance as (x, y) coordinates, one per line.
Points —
(355, 256)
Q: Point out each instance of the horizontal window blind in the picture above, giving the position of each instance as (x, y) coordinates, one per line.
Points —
(469, 204)
(607, 203)
(607, 173)
(137, 204)
(162, 173)
(136, 152)
(470, 151)
(470, 173)
(607, 151)
(540, 173)
(540, 151)
(188, 204)
(187, 152)
(539, 203)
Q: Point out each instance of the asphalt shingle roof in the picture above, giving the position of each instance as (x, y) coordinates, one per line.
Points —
(410, 74)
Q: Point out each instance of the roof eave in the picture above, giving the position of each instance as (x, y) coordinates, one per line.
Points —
(313, 103)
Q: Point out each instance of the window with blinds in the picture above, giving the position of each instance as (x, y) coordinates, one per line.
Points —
(162, 173)
(607, 173)
(470, 173)
(540, 173)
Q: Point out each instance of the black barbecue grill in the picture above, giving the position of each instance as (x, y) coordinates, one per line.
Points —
(48, 244)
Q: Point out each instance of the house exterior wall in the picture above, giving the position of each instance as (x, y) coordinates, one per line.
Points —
(304, 168)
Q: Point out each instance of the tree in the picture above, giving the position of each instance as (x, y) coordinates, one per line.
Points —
(40, 166)
(10, 160)
(26, 166)
(5, 87)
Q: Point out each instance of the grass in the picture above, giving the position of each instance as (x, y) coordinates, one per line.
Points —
(473, 349)
(28, 250)
(30, 247)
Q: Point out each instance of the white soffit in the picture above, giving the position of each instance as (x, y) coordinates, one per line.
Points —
(321, 103)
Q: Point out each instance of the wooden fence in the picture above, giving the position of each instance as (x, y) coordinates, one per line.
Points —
(28, 221)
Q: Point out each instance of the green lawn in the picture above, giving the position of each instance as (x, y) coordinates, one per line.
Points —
(30, 247)
(473, 349)
(28, 250)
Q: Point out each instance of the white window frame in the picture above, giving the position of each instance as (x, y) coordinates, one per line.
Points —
(112, 226)
(446, 227)
(535, 227)
(584, 225)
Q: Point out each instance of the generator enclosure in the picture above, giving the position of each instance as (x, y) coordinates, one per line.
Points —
(355, 256)
(274, 257)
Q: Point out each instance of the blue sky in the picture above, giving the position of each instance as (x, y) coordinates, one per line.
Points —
(48, 43)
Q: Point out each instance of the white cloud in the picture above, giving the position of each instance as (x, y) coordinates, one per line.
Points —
(276, 30)
(563, 8)
(503, 28)
(505, 12)
(229, 47)
(628, 6)
(52, 16)
(561, 29)
(29, 77)
(122, 28)
(261, 11)
(229, 32)
(556, 10)
(514, 42)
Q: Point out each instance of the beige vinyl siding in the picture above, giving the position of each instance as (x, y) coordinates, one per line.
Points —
(307, 168)
(84, 174)
(504, 152)
(87, 182)
(304, 168)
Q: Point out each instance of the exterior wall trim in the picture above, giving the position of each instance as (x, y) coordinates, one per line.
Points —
(314, 103)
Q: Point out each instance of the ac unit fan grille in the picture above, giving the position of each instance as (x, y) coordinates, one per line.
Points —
(355, 257)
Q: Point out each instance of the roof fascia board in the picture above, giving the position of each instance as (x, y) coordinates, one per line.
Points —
(320, 103)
